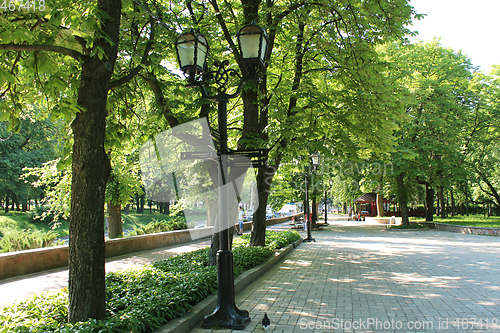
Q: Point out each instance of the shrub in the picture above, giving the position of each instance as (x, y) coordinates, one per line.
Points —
(46, 215)
(18, 240)
(274, 239)
(156, 226)
(247, 257)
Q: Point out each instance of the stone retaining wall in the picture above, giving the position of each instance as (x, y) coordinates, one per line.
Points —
(384, 220)
(461, 229)
(31, 261)
(467, 230)
(36, 260)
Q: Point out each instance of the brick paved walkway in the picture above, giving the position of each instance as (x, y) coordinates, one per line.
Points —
(360, 278)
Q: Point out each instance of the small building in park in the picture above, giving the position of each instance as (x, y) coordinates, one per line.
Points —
(366, 205)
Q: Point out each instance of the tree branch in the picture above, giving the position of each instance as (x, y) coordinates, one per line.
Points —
(39, 47)
(144, 61)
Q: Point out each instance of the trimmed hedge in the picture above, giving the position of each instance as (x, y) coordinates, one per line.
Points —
(141, 299)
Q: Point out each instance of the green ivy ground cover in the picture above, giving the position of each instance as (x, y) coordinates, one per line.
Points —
(141, 299)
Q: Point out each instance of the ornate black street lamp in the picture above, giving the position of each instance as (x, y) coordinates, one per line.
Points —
(315, 162)
(192, 52)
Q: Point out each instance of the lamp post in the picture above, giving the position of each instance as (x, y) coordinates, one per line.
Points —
(315, 162)
(191, 51)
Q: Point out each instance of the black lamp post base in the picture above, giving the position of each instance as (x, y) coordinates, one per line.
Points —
(232, 318)
(309, 239)
(226, 314)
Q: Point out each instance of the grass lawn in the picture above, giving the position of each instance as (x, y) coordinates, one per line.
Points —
(471, 221)
(20, 221)
(17, 232)
(134, 220)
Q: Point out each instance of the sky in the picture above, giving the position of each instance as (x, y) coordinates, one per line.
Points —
(472, 26)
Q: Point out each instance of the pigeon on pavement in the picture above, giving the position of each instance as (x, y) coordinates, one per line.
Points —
(266, 322)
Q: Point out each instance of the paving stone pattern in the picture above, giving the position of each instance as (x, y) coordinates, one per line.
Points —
(361, 278)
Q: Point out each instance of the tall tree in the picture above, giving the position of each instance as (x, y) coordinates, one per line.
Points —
(437, 80)
(67, 52)
(481, 148)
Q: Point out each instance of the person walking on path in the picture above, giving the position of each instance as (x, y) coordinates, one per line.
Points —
(349, 213)
(241, 216)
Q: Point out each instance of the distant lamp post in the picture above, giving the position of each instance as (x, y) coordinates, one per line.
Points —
(192, 52)
(315, 159)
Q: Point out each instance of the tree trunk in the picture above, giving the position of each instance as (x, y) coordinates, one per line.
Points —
(24, 204)
(258, 234)
(442, 203)
(115, 221)
(452, 203)
(142, 201)
(429, 203)
(211, 211)
(7, 204)
(402, 199)
(14, 202)
(380, 205)
(90, 174)
(214, 248)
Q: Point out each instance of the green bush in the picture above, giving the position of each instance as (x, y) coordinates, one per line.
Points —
(156, 226)
(43, 214)
(274, 239)
(247, 257)
(18, 240)
(139, 299)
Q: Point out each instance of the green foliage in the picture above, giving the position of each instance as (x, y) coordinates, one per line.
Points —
(42, 312)
(124, 181)
(31, 146)
(140, 299)
(18, 240)
(156, 226)
(56, 185)
(248, 257)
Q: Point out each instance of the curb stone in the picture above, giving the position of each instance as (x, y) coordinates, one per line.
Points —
(195, 316)
(420, 229)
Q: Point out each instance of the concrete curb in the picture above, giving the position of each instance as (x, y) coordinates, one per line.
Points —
(205, 307)
(461, 229)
